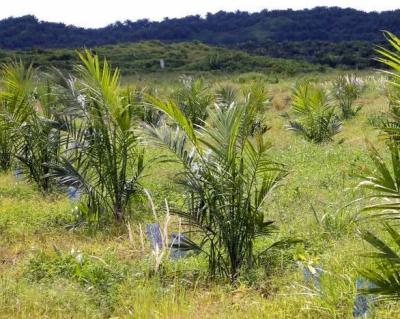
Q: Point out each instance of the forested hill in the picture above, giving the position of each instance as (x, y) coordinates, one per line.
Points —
(222, 28)
(275, 33)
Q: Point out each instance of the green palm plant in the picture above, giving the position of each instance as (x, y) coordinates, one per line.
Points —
(16, 82)
(103, 157)
(257, 99)
(226, 95)
(346, 90)
(384, 183)
(391, 58)
(316, 118)
(194, 99)
(385, 275)
(28, 122)
(227, 175)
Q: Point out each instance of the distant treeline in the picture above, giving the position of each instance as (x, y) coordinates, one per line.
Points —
(331, 36)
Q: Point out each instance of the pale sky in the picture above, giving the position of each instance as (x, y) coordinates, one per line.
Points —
(98, 13)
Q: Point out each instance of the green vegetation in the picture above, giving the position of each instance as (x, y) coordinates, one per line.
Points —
(144, 57)
(227, 175)
(210, 159)
(194, 99)
(384, 184)
(104, 159)
(346, 90)
(335, 37)
(316, 120)
(28, 119)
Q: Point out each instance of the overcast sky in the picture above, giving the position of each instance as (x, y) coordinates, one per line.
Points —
(97, 13)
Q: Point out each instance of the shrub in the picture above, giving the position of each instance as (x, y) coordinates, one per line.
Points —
(82, 268)
(99, 278)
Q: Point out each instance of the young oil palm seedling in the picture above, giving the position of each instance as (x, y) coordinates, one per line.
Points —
(391, 58)
(226, 95)
(384, 184)
(16, 82)
(385, 274)
(28, 121)
(228, 175)
(256, 97)
(316, 119)
(194, 99)
(103, 157)
(346, 90)
(384, 181)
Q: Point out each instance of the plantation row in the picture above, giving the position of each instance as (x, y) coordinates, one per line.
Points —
(87, 133)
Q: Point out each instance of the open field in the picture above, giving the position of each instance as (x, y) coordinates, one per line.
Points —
(52, 267)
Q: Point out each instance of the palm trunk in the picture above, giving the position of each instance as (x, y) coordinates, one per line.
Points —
(119, 212)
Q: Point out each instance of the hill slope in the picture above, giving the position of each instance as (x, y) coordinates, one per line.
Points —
(323, 24)
(183, 57)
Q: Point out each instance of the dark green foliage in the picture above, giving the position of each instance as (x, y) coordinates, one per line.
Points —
(344, 54)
